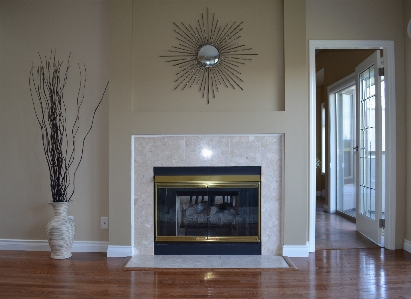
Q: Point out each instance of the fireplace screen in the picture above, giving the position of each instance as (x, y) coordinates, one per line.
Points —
(207, 208)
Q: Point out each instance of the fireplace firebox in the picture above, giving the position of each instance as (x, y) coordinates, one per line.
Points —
(207, 210)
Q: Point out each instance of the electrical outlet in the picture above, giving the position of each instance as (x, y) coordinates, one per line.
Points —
(104, 222)
(71, 217)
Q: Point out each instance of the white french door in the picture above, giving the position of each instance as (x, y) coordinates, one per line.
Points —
(371, 148)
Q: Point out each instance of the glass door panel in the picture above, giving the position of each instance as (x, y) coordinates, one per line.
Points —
(198, 213)
(367, 144)
(346, 165)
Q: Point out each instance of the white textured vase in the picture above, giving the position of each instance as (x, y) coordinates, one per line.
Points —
(60, 231)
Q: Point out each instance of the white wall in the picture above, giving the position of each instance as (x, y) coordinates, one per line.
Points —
(26, 28)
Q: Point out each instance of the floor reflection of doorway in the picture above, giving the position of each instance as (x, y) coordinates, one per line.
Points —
(336, 232)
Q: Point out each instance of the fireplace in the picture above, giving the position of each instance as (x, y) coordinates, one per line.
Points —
(211, 151)
(207, 210)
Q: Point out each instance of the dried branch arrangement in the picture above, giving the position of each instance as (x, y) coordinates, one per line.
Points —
(63, 133)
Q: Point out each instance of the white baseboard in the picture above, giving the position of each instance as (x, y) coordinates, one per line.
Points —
(25, 245)
(296, 250)
(89, 246)
(407, 245)
(120, 251)
(43, 245)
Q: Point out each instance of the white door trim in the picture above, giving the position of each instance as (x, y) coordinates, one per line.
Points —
(390, 138)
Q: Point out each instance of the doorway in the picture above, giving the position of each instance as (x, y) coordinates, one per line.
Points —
(389, 191)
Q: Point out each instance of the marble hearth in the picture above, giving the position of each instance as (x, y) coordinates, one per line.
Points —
(208, 150)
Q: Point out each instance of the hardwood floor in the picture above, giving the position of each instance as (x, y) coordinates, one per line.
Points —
(349, 273)
(366, 272)
(335, 232)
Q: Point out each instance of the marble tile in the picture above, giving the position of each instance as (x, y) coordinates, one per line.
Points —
(206, 150)
(253, 261)
(245, 151)
(271, 229)
(206, 262)
(159, 151)
(143, 210)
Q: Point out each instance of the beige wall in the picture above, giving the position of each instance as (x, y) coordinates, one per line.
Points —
(369, 20)
(407, 51)
(338, 64)
(153, 36)
(26, 28)
(124, 122)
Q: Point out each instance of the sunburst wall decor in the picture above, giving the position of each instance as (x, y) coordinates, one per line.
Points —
(208, 55)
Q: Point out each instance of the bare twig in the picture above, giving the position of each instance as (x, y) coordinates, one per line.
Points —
(47, 84)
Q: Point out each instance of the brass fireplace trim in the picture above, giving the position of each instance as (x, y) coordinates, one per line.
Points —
(251, 181)
(207, 178)
(236, 239)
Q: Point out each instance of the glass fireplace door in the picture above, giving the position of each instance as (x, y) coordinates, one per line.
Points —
(204, 212)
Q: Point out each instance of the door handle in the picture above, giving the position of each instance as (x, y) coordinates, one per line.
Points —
(355, 148)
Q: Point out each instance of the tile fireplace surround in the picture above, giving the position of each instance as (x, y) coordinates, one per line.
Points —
(208, 150)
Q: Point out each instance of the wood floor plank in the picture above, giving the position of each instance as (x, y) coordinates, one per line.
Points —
(348, 273)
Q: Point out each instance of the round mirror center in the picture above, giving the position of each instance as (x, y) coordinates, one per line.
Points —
(208, 55)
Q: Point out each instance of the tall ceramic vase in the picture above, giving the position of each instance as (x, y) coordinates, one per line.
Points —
(60, 231)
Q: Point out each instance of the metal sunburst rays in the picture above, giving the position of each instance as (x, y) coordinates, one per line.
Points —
(223, 71)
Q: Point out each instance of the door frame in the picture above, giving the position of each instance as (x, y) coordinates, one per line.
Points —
(390, 138)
